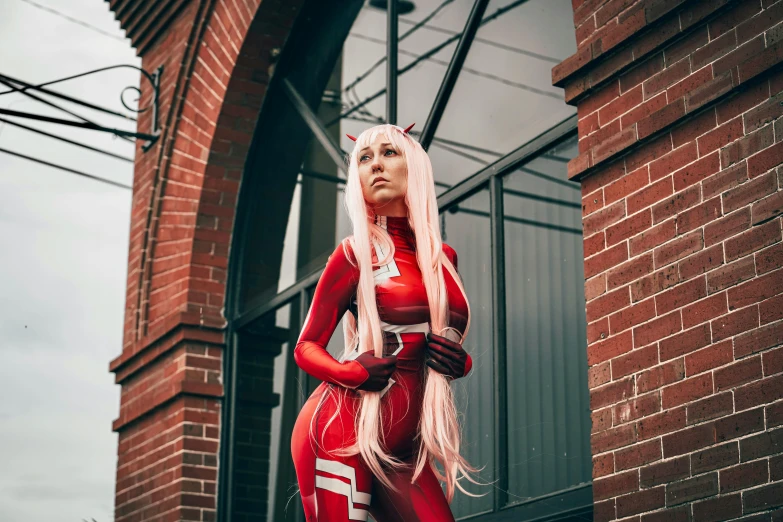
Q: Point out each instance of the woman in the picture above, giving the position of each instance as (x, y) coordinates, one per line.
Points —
(367, 439)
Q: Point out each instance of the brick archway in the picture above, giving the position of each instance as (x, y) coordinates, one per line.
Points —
(217, 57)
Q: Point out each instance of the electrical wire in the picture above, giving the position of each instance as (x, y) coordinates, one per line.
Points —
(492, 43)
(66, 169)
(54, 105)
(376, 120)
(73, 20)
(475, 72)
(501, 11)
(416, 27)
(66, 140)
(27, 86)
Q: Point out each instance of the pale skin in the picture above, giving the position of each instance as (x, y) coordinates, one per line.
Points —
(383, 175)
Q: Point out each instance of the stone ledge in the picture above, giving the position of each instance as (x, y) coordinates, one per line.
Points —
(646, 129)
(593, 64)
(181, 327)
(169, 393)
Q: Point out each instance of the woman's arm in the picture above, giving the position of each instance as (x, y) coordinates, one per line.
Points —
(451, 254)
(332, 297)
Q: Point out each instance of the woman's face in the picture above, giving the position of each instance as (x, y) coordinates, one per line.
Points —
(383, 175)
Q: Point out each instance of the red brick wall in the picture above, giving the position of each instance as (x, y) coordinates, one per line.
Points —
(681, 144)
(217, 58)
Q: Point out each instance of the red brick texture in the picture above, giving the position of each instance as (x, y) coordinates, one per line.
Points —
(217, 57)
(672, 69)
(680, 109)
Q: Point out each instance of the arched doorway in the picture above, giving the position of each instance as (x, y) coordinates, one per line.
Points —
(500, 142)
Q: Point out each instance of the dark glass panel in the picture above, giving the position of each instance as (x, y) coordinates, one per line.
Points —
(425, 49)
(298, 237)
(504, 96)
(549, 411)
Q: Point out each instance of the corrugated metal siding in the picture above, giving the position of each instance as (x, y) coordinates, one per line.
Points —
(549, 415)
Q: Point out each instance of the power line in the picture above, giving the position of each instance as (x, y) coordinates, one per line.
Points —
(73, 20)
(39, 88)
(87, 123)
(444, 144)
(66, 169)
(492, 43)
(475, 72)
(82, 125)
(416, 27)
(454, 143)
(501, 11)
(66, 140)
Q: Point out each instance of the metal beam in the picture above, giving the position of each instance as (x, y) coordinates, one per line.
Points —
(497, 226)
(391, 62)
(318, 129)
(450, 79)
(504, 165)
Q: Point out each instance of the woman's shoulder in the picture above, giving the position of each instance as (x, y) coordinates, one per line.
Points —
(343, 252)
(450, 253)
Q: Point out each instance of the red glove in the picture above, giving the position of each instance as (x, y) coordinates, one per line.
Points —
(380, 369)
(447, 357)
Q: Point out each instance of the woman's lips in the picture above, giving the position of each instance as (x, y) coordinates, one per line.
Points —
(378, 181)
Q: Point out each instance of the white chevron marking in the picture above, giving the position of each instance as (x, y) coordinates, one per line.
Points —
(341, 488)
(345, 471)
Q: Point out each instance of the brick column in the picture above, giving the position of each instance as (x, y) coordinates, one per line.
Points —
(217, 57)
(681, 144)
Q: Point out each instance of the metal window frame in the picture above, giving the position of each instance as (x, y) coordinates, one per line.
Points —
(490, 177)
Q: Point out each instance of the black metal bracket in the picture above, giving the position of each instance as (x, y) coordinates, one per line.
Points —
(155, 80)
(151, 138)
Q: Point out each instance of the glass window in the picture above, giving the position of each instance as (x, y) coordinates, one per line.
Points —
(427, 43)
(303, 218)
(285, 388)
(548, 406)
(504, 95)
(466, 229)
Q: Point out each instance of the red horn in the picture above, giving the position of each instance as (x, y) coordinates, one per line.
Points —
(409, 128)
(354, 139)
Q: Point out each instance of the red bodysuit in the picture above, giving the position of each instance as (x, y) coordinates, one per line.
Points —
(339, 489)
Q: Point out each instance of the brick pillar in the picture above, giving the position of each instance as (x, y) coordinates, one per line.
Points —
(217, 56)
(681, 144)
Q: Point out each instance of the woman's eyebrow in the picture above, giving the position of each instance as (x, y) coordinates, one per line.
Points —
(382, 145)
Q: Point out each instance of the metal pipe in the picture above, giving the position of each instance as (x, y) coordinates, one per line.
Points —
(498, 261)
(391, 62)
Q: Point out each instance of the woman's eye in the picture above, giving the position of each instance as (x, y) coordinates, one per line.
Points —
(364, 157)
(388, 151)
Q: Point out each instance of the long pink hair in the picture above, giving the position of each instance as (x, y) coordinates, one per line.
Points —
(439, 428)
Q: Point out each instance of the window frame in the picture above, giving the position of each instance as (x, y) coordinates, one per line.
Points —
(287, 88)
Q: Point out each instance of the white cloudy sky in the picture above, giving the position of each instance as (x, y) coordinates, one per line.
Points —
(63, 262)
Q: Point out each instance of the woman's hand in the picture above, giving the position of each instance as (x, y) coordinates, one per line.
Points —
(446, 356)
(379, 368)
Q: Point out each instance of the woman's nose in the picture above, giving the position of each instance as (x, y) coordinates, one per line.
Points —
(377, 166)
